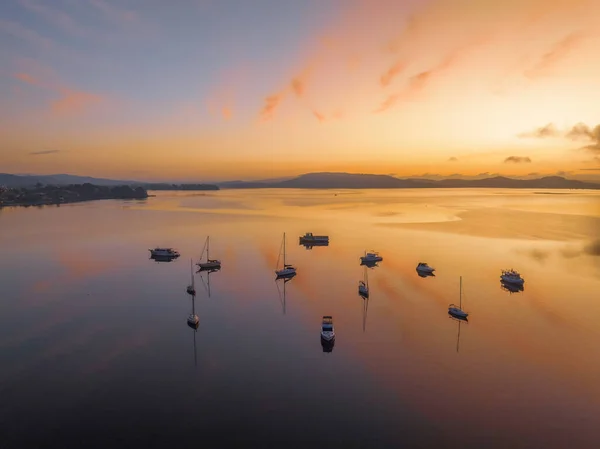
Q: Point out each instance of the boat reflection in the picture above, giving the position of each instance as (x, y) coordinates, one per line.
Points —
(368, 264)
(208, 272)
(424, 274)
(285, 280)
(327, 345)
(460, 321)
(310, 245)
(162, 258)
(364, 291)
(511, 287)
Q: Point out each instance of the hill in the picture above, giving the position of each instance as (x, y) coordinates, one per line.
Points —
(370, 181)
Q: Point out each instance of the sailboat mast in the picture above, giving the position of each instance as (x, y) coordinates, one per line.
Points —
(460, 293)
(207, 248)
(192, 270)
(284, 250)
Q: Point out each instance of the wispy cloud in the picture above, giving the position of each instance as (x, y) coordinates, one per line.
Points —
(43, 152)
(390, 101)
(72, 102)
(17, 30)
(540, 133)
(396, 68)
(272, 102)
(517, 159)
(55, 16)
(550, 59)
(297, 86)
(27, 78)
(114, 13)
(320, 117)
(453, 159)
(578, 132)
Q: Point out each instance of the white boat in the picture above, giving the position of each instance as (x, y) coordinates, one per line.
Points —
(316, 239)
(191, 289)
(210, 263)
(424, 268)
(327, 332)
(193, 319)
(287, 269)
(512, 277)
(363, 286)
(457, 311)
(164, 252)
(371, 257)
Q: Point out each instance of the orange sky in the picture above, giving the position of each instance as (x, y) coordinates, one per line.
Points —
(446, 86)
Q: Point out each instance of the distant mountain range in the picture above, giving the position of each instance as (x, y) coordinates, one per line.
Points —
(367, 181)
(318, 181)
(31, 180)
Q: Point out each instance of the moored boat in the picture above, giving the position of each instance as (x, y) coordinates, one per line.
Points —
(512, 277)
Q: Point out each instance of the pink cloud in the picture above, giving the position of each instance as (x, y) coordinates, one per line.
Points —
(74, 102)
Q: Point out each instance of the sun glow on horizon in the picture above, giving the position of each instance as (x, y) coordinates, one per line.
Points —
(440, 87)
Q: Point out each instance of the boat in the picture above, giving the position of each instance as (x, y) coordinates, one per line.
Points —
(191, 289)
(457, 311)
(309, 238)
(363, 286)
(370, 258)
(193, 319)
(287, 269)
(169, 253)
(424, 268)
(210, 263)
(327, 331)
(512, 277)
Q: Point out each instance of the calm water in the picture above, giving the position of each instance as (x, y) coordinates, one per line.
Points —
(95, 350)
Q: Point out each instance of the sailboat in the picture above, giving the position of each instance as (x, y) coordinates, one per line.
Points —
(287, 270)
(363, 286)
(193, 319)
(191, 289)
(210, 263)
(457, 311)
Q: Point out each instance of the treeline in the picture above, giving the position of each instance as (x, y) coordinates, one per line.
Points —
(50, 194)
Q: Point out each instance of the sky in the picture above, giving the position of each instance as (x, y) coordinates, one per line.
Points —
(211, 90)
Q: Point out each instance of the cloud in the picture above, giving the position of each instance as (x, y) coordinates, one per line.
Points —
(390, 101)
(517, 160)
(272, 102)
(73, 102)
(60, 19)
(31, 37)
(43, 152)
(579, 131)
(226, 112)
(541, 133)
(396, 68)
(297, 86)
(27, 78)
(120, 16)
(550, 59)
(320, 117)
(452, 159)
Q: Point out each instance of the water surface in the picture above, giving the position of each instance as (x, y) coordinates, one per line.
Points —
(96, 352)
